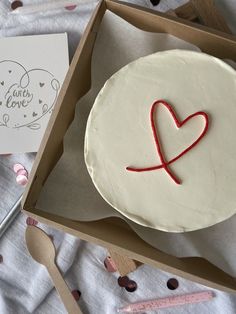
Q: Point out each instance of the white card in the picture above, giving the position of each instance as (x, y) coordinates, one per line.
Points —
(32, 70)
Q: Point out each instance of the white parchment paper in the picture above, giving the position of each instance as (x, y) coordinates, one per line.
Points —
(69, 191)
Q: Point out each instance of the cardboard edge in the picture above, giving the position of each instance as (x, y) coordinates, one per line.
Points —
(92, 27)
(91, 232)
(84, 230)
(113, 4)
(176, 23)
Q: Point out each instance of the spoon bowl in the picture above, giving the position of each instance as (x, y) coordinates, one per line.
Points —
(42, 249)
(40, 246)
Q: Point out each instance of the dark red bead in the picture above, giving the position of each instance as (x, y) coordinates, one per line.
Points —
(131, 286)
(16, 4)
(76, 294)
(172, 284)
(155, 2)
(123, 281)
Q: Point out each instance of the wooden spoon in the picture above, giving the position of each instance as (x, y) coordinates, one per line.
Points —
(42, 250)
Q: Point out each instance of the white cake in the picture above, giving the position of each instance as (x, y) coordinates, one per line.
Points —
(160, 141)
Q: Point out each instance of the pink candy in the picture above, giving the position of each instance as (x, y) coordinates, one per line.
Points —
(18, 167)
(110, 265)
(31, 222)
(21, 174)
(22, 180)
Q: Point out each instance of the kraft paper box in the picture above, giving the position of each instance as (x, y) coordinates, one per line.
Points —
(114, 233)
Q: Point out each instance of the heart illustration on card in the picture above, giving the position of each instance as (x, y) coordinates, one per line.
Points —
(23, 104)
(159, 145)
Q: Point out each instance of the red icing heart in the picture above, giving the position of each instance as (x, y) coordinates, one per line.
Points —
(164, 164)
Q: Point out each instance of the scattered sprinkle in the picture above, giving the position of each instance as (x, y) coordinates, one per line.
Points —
(70, 7)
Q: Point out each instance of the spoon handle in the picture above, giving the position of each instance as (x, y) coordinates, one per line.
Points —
(64, 292)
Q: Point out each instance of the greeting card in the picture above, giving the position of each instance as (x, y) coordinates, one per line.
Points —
(32, 70)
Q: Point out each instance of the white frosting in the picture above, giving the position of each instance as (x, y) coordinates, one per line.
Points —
(119, 134)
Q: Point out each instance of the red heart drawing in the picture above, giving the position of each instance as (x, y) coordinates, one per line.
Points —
(164, 164)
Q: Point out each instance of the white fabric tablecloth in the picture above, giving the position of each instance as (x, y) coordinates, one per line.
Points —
(25, 286)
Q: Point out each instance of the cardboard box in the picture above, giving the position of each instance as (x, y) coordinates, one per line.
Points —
(114, 233)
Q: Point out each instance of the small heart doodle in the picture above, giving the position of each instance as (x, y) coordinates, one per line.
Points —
(45, 108)
(21, 104)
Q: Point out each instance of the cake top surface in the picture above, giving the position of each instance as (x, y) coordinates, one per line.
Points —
(159, 143)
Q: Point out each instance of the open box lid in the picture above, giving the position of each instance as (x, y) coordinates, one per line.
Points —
(110, 232)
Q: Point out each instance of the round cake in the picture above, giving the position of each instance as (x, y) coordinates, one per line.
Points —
(160, 141)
